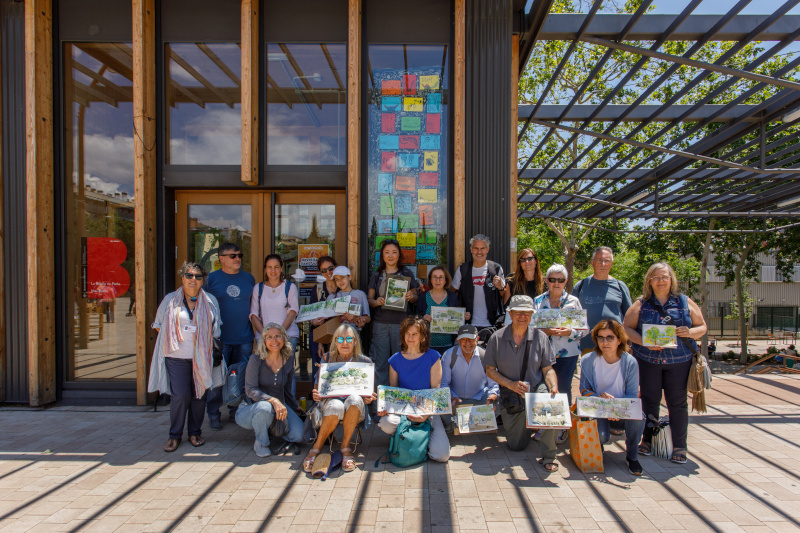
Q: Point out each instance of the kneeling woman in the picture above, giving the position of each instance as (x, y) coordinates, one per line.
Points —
(611, 372)
(349, 410)
(417, 367)
(268, 387)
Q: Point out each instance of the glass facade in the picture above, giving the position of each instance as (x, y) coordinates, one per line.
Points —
(99, 214)
(212, 225)
(407, 147)
(306, 104)
(204, 122)
(303, 233)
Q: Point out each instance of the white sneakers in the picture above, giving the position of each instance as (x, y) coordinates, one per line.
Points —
(261, 450)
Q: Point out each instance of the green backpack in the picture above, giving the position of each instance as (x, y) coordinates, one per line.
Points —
(409, 444)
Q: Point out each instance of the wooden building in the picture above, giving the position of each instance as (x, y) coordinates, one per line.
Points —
(137, 134)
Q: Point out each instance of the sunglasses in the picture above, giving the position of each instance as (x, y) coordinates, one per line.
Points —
(527, 259)
(610, 338)
(234, 256)
(193, 276)
(556, 280)
(341, 340)
(329, 269)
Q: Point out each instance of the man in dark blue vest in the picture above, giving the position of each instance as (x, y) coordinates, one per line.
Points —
(481, 292)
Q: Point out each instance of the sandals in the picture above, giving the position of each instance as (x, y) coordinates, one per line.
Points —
(646, 448)
(678, 456)
(196, 440)
(549, 465)
(308, 462)
(348, 461)
(172, 445)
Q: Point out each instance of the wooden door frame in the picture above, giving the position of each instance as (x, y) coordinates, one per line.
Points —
(262, 202)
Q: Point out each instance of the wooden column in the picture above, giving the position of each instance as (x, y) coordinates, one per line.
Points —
(354, 137)
(250, 91)
(514, 129)
(460, 176)
(39, 200)
(2, 254)
(144, 176)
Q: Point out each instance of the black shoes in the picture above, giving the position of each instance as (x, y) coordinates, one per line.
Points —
(634, 467)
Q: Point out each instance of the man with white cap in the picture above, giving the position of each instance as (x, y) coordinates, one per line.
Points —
(462, 370)
(516, 356)
(341, 276)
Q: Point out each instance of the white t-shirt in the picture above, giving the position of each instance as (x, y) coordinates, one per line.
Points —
(186, 348)
(609, 377)
(274, 306)
(479, 310)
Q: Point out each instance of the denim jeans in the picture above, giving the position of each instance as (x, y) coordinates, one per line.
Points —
(182, 400)
(232, 353)
(294, 341)
(633, 434)
(565, 370)
(385, 343)
(259, 415)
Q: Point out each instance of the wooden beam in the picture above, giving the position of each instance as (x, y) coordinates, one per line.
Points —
(250, 91)
(354, 38)
(144, 183)
(39, 201)
(459, 141)
(2, 254)
(514, 126)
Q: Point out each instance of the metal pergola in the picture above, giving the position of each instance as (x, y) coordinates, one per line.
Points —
(732, 153)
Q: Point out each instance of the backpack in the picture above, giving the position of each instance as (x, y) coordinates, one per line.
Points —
(233, 389)
(409, 444)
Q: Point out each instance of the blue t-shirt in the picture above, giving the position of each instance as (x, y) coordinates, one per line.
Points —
(414, 374)
(602, 299)
(233, 292)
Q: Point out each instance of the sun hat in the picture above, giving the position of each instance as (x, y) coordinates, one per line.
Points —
(520, 302)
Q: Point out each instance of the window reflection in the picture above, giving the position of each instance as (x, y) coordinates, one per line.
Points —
(204, 122)
(99, 212)
(212, 225)
(306, 104)
(303, 224)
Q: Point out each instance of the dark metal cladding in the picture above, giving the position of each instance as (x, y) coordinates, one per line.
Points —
(488, 124)
(15, 256)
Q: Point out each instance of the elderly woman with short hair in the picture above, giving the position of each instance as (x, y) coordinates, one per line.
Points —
(187, 321)
(349, 410)
(268, 389)
(565, 341)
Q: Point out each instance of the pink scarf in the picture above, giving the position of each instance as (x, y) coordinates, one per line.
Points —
(202, 360)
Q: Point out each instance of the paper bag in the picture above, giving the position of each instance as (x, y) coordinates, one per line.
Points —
(584, 444)
(324, 334)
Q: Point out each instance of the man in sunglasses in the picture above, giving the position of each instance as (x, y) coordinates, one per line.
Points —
(233, 288)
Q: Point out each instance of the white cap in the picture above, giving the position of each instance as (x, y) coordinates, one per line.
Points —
(341, 271)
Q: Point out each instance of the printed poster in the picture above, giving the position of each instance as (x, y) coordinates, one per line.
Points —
(308, 254)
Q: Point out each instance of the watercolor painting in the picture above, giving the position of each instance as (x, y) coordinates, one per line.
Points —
(390, 104)
(545, 411)
(405, 183)
(388, 121)
(428, 179)
(410, 84)
(404, 203)
(387, 161)
(428, 142)
(433, 124)
(423, 402)
(387, 209)
(387, 226)
(434, 103)
(428, 196)
(408, 222)
(390, 87)
(344, 379)
(431, 161)
(409, 142)
(622, 408)
(408, 160)
(413, 105)
(426, 216)
(476, 419)
(659, 335)
(429, 83)
(411, 123)
(384, 182)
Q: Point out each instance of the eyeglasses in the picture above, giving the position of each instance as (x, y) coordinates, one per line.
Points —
(660, 278)
(189, 275)
(273, 337)
(556, 280)
(603, 261)
(438, 277)
(610, 338)
(527, 259)
(329, 269)
(234, 256)
(348, 340)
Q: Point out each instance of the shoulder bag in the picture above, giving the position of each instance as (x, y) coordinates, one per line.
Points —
(512, 401)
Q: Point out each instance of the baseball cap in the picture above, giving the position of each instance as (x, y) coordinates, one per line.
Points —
(520, 302)
(467, 331)
(341, 271)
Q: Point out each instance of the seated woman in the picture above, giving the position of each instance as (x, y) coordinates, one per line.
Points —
(268, 388)
(349, 410)
(417, 367)
(611, 372)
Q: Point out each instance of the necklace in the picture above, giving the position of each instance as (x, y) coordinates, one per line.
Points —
(269, 284)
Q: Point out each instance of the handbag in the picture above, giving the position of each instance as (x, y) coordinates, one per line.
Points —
(409, 444)
(661, 445)
(513, 402)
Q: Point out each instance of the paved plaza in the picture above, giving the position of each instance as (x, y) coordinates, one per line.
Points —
(103, 469)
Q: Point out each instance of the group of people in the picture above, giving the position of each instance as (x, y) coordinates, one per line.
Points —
(255, 322)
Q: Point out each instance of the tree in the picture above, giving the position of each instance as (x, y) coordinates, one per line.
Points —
(739, 257)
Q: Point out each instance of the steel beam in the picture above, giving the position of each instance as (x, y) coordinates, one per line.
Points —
(640, 113)
(564, 27)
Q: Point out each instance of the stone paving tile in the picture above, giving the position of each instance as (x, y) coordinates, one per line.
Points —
(742, 475)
